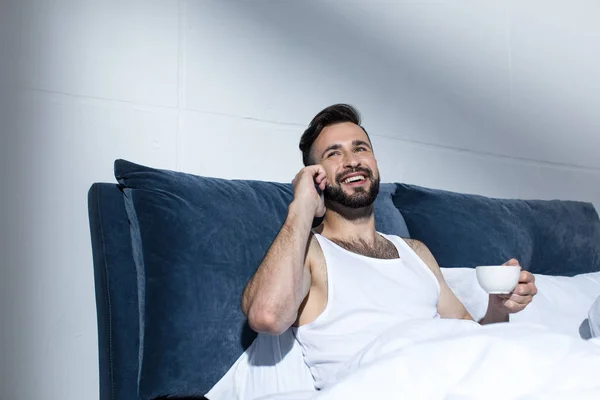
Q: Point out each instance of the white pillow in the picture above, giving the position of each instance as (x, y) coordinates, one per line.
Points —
(272, 364)
(594, 319)
(562, 303)
(463, 283)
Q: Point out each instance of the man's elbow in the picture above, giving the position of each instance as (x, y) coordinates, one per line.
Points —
(267, 322)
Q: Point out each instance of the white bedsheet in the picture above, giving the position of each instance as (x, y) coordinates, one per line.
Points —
(562, 304)
(594, 318)
(275, 364)
(272, 364)
(451, 359)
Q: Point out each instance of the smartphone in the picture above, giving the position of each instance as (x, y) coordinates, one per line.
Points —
(319, 190)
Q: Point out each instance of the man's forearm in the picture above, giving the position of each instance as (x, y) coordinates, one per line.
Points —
(277, 288)
(493, 319)
(493, 316)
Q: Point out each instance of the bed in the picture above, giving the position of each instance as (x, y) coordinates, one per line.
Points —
(173, 251)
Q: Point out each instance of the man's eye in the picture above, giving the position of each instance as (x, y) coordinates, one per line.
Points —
(360, 149)
(333, 153)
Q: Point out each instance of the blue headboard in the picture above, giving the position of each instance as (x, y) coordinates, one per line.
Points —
(116, 293)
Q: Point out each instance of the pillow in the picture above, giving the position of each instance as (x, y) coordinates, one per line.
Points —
(196, 242)
(547, 237)
(561, 305)
(464, 285)
(594, 318)
(271, 365)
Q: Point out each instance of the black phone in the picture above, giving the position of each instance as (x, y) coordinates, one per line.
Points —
(319, 190)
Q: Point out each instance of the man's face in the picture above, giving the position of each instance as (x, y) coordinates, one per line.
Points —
(345, 153)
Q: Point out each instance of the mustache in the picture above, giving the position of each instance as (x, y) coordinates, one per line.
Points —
(366, 171)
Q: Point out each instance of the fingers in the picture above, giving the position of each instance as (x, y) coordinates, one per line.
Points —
(323, 184)
(519, 298)
(516, 303)
(512, 262)
(526, 286)
(314, 172)
(525, 289)
(306, 185)
(319, 175)
(526, 277)
(522, 295)
(321, 180)
(514, 307)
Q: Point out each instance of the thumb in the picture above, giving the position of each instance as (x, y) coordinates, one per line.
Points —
(512, 262)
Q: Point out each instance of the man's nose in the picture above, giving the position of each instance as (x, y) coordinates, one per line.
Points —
(351, 161)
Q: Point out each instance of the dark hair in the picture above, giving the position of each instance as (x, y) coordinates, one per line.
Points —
(331, 115)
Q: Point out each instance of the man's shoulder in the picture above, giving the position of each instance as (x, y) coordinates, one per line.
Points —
(420, 249)
(414, 244)
(423, 252)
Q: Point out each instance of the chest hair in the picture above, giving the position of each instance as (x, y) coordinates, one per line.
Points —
(382, 249)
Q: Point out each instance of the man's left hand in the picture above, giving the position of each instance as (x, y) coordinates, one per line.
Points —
(519, 298)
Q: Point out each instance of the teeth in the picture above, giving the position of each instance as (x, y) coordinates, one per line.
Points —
(354, 179)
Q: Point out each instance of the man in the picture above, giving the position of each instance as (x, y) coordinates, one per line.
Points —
(343, 283)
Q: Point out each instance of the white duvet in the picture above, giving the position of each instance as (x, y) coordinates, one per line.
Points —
(449, 359)
(452, 359)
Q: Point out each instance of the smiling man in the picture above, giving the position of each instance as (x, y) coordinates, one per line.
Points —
(342, 284)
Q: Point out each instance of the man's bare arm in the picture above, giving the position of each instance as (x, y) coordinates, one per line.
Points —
(449, 306)
(274, 294)
(499, 306)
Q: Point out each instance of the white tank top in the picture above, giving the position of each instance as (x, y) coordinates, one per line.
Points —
(366, 296)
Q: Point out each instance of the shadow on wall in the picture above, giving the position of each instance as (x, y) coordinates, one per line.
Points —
(393, 77)
(440, 72)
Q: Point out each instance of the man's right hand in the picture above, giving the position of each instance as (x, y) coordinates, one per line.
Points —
(273, 296)
(305, 192)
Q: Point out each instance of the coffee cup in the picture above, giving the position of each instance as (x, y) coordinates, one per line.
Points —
(498, 279)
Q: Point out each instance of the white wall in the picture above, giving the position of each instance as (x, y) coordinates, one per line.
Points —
(494, 99)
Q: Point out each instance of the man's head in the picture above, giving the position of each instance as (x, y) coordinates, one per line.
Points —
(336, 140)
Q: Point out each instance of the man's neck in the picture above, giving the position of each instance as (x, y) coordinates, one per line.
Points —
(349, 224)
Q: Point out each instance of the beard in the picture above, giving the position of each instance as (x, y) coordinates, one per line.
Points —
(359, 198)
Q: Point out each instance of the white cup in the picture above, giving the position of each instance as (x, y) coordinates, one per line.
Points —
(498, 279)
